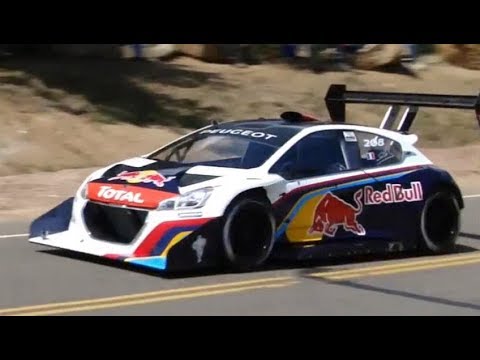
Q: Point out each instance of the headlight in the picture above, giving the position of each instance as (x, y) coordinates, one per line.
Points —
(192, 200)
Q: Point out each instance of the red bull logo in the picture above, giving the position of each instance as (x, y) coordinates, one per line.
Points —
(332, 212)
(145, 177)
(393, 193)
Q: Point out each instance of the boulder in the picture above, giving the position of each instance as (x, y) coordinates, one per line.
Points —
(149, 51)
(376, 56)
(464, 55)
(205, 52)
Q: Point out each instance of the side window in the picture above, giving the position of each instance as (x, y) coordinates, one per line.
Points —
(377, 151)
(316, 154)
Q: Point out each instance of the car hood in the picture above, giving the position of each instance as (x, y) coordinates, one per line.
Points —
(158, 176)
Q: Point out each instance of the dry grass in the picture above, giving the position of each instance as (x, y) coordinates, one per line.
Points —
(81, 113)
(87, 113)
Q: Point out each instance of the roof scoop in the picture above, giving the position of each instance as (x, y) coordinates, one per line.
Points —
(295, 116)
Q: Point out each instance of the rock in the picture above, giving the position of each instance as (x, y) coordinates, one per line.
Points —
(464, 55)
(149, 51)
(378, 55)
(75, 105)
(205, 52)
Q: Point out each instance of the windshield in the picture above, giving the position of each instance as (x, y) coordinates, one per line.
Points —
(235, 148)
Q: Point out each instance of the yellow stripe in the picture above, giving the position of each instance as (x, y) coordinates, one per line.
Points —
(155, 299)
(406, 264)
(179, 237)
(232, 287)
(305, 195)
(402, 270)
(402, 173)
(156, 294)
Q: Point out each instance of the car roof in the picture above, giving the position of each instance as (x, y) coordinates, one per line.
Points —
(297, 126)
(290, 128)
(263, 123)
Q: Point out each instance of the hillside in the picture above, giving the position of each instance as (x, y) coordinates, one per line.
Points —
(82, 113)
(67, 114)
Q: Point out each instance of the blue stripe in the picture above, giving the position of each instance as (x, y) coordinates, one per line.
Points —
(299, 205)
(159, 263)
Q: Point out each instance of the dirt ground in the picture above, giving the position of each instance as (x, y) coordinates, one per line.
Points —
(59, 120)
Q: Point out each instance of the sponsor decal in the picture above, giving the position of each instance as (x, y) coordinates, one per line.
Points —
(370, 156)
(125, 195)
(145, 177)
(349, 136)
(332, 212)
(393, 193)
(247, 133)
(199, 246)
(107, 193)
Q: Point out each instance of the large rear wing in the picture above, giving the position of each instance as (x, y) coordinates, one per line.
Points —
(338, 96)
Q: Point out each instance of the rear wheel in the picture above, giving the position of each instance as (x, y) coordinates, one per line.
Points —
(248, 233)
(440, 223)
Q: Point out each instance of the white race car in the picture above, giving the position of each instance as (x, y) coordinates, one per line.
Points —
(239, 193)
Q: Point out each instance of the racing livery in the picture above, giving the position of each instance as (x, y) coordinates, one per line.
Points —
(239, 193)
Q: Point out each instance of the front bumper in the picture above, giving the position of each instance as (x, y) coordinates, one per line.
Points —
(69, 240)
(187, 243)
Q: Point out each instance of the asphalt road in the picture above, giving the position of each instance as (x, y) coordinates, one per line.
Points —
(41, 281)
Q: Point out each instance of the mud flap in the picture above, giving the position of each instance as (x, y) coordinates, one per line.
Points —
(55, 221)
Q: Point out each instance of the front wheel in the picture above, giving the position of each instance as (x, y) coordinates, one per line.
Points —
(248, 233)
(440, 223)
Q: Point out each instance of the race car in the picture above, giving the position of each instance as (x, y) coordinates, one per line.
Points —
(240, 193)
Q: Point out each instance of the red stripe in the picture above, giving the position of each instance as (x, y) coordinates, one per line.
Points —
(345, 180)
(114, 256)
(152, 239)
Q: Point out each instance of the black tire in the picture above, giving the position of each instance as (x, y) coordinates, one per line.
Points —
(440, 223)
(248, 233)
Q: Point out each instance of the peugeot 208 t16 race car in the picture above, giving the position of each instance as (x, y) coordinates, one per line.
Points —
(238, 193)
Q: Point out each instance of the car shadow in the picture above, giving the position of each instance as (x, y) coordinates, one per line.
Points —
(405, 294)
(303, 267)
(470, 236)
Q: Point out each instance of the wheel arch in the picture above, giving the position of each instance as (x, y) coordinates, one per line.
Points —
(225, 195)
(256, 193)
(445, 185)
(442, 180)
(253, 192)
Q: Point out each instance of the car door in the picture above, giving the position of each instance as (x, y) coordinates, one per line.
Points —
(322, 172)
(391, 199)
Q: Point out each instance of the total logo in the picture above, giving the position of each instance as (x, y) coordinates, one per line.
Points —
(124, 195)
(108, 193)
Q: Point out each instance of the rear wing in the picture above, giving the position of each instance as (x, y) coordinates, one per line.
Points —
(338, 96)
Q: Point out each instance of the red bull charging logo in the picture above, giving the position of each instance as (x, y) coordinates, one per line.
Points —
(332, 212)
(145, 177)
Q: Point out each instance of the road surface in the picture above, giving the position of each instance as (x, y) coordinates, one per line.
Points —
(40, 281)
